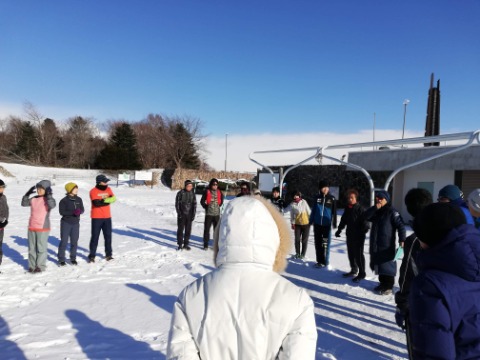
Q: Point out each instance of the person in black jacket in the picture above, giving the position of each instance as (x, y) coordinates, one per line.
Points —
(357, 228)
(277, 200)
(415, 200)
(323, 217)
(385, 220)
(186, 206)
(211, 201)
(4, 213)
(70, 207)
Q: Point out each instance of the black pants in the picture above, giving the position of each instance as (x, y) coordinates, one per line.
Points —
(1, 243)
(355, 255)
(386, 281)
(408, 333)
(209, 221)
(301, 237)
(184, 229)
(322, 243)
(104, 225)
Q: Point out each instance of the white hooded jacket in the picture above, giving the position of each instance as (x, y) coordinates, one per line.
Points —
(243, 309)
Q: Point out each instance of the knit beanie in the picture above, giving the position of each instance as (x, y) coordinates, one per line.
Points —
(188, 182)
(474, 202)
(70, 186)
(436, 220)
(450, 192)
(2, 184)
(383, 194)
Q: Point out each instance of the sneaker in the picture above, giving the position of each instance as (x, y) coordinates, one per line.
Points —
(63, 263)
(350, 274)
(358, 278)
(179, 248)
(205, 248)
(318, 265)
(73, 262)
(302, 257)
(188, 248)
(37, 270)
(91, 260)
(109, 258)
(378, 288)
(297, 256)
(30, 270)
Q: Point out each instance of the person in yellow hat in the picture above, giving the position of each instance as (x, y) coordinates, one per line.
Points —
(71, 207)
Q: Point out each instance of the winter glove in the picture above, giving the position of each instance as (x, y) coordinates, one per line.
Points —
(31, 191)
(77, 212)
(98, 202)
(48, 191)
(337, 233)
(400, 318)
(293, 226)
(3, 224)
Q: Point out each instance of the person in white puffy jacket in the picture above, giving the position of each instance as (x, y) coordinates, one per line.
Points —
(244, 309)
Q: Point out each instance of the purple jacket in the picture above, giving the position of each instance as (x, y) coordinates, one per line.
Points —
(444, 298)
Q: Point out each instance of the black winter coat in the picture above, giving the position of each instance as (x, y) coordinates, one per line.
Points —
(355, 222)
(385, 222)
(186, 204)
(67, 206)
(408, 271)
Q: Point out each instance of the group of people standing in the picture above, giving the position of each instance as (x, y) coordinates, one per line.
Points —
(41, 201)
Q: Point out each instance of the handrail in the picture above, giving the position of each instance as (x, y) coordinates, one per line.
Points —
(469, 136)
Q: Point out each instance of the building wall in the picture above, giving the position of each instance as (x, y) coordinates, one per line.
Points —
(409, 179)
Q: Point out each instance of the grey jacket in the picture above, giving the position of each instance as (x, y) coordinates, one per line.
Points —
(4, 213)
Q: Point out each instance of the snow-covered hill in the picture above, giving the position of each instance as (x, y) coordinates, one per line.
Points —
(122, 309)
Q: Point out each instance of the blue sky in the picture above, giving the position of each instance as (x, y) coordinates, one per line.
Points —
(244, 67)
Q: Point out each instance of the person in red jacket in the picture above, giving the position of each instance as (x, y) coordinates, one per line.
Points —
(211, 201)
(101, 196)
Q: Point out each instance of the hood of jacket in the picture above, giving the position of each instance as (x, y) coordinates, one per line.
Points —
(458, 253)
(44, 184)
(252, 230)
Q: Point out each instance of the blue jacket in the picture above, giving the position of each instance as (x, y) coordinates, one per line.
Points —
(464, 207)
(385, 222)
(444, 298)
(324, 211)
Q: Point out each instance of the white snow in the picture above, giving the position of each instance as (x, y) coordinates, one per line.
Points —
(121, 309)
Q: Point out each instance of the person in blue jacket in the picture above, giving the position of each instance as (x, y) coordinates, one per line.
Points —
(453, 195)
(385, 220)
(323, 217)
(444, 306)
(70, 207)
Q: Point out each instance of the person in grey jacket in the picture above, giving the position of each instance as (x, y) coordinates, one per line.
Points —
(186, 207)
(70, 207)
(4, 213)
(39, 224)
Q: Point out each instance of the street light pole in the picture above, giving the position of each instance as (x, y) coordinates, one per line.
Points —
(405, 103)
(226, 147)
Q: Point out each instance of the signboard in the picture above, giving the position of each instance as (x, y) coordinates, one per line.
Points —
(123, 177)
(265, 181)
(143, 175)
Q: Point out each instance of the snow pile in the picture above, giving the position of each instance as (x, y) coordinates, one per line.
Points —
(121, 309)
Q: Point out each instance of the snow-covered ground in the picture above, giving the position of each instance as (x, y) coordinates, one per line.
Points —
(122, 309)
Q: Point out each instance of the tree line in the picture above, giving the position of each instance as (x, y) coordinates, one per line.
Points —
(157, 141)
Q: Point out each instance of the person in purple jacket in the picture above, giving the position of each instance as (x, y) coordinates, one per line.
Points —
(444, 307)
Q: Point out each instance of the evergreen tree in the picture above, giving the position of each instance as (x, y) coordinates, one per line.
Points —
(121, 151)
(27, 146)
(184, 153)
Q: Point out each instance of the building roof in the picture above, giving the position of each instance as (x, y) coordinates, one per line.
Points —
(391, 159)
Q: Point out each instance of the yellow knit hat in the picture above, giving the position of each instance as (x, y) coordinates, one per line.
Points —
(70, 186)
